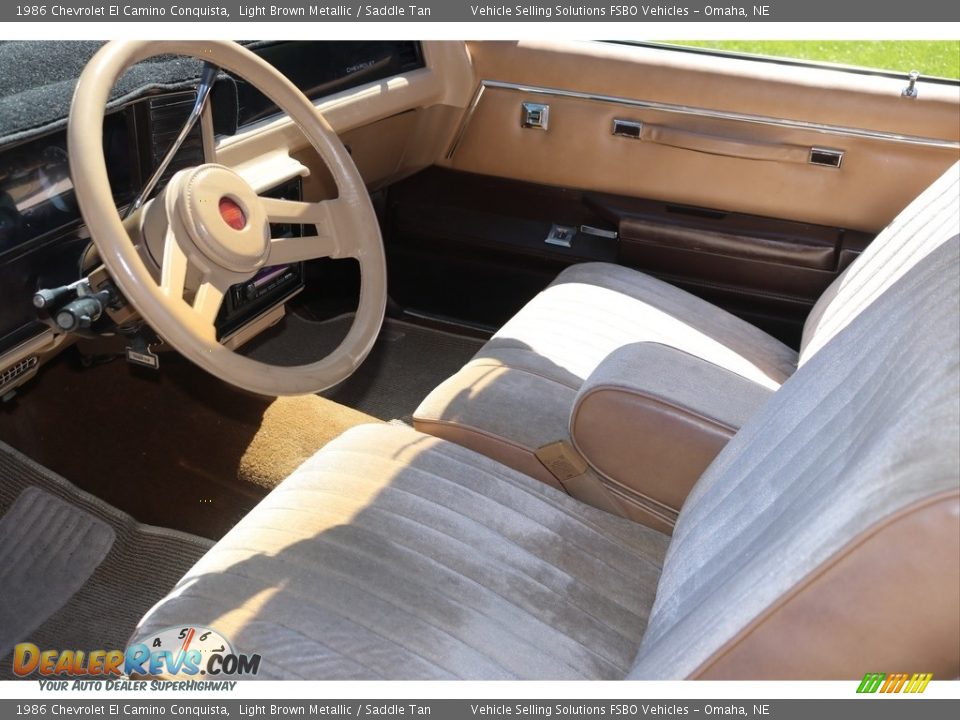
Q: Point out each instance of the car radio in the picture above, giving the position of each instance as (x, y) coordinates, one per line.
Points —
(271, 285)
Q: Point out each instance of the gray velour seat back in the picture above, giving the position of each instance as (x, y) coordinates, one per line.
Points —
(826, 536)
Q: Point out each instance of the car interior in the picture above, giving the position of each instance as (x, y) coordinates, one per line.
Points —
(480, 360)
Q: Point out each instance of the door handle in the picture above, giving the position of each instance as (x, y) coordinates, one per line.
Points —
(714, 144)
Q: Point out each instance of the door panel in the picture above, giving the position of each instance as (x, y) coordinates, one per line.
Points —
(734, 134)
(712, 189)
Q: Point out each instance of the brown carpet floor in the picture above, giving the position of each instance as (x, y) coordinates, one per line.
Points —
(181, 449)
(406, 363)
(178, 448)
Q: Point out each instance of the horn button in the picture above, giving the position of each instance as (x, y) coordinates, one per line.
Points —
(224, 218)
(232, 213)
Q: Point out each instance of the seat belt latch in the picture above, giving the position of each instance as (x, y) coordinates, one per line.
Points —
(563, 462)
(575, 476)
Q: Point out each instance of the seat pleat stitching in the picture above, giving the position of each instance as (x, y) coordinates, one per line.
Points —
(849, 301)
(545, 650)
(611, 325)
(606, 325)
(196, 592)
(313, 600)
(268, 625)
(495, 363)
(562, 503)
(387, 600)
(515, 571)
(565, 542)
(409, 656)
(550, 566)
(633, 555)
(860, 294)
(192, 592)
(890, 247)
(492, 532)
(773, 458)
(255, 630)
(777, 510)
(311, 570)
(762, 465)
(253, 627)
(505, 481)
(521, 573)
(323, 538)
(318, 601)
(863, 285)
(760, 462)
(709, 570)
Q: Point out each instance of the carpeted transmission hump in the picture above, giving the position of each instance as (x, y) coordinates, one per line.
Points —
(122, 579)
(406, 363)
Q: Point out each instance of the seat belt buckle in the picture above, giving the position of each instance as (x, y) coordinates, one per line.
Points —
(575, 476)
(563, 462)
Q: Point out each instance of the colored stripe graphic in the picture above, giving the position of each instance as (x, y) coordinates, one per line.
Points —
(894, 683)
(871, 682)
(918, 683)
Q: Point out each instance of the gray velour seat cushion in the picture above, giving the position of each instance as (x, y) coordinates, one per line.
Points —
(393, 555)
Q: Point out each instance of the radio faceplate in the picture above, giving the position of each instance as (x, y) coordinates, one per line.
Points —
(272, 285)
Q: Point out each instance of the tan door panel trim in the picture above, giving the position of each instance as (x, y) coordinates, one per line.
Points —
(833, 130)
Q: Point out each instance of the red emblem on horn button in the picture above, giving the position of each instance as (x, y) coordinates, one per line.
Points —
(232, 214)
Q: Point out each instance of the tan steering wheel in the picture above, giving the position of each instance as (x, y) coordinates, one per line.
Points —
(203, 255)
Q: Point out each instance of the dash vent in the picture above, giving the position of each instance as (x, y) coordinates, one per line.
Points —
(410, 56)
(165, 116)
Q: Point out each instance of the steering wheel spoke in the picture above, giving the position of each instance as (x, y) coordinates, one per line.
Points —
(208, 299)
(325, 216)
(173, 269)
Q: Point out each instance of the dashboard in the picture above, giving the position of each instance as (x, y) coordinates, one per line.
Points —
(41, 233)
(36, 192)
(43, 241)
